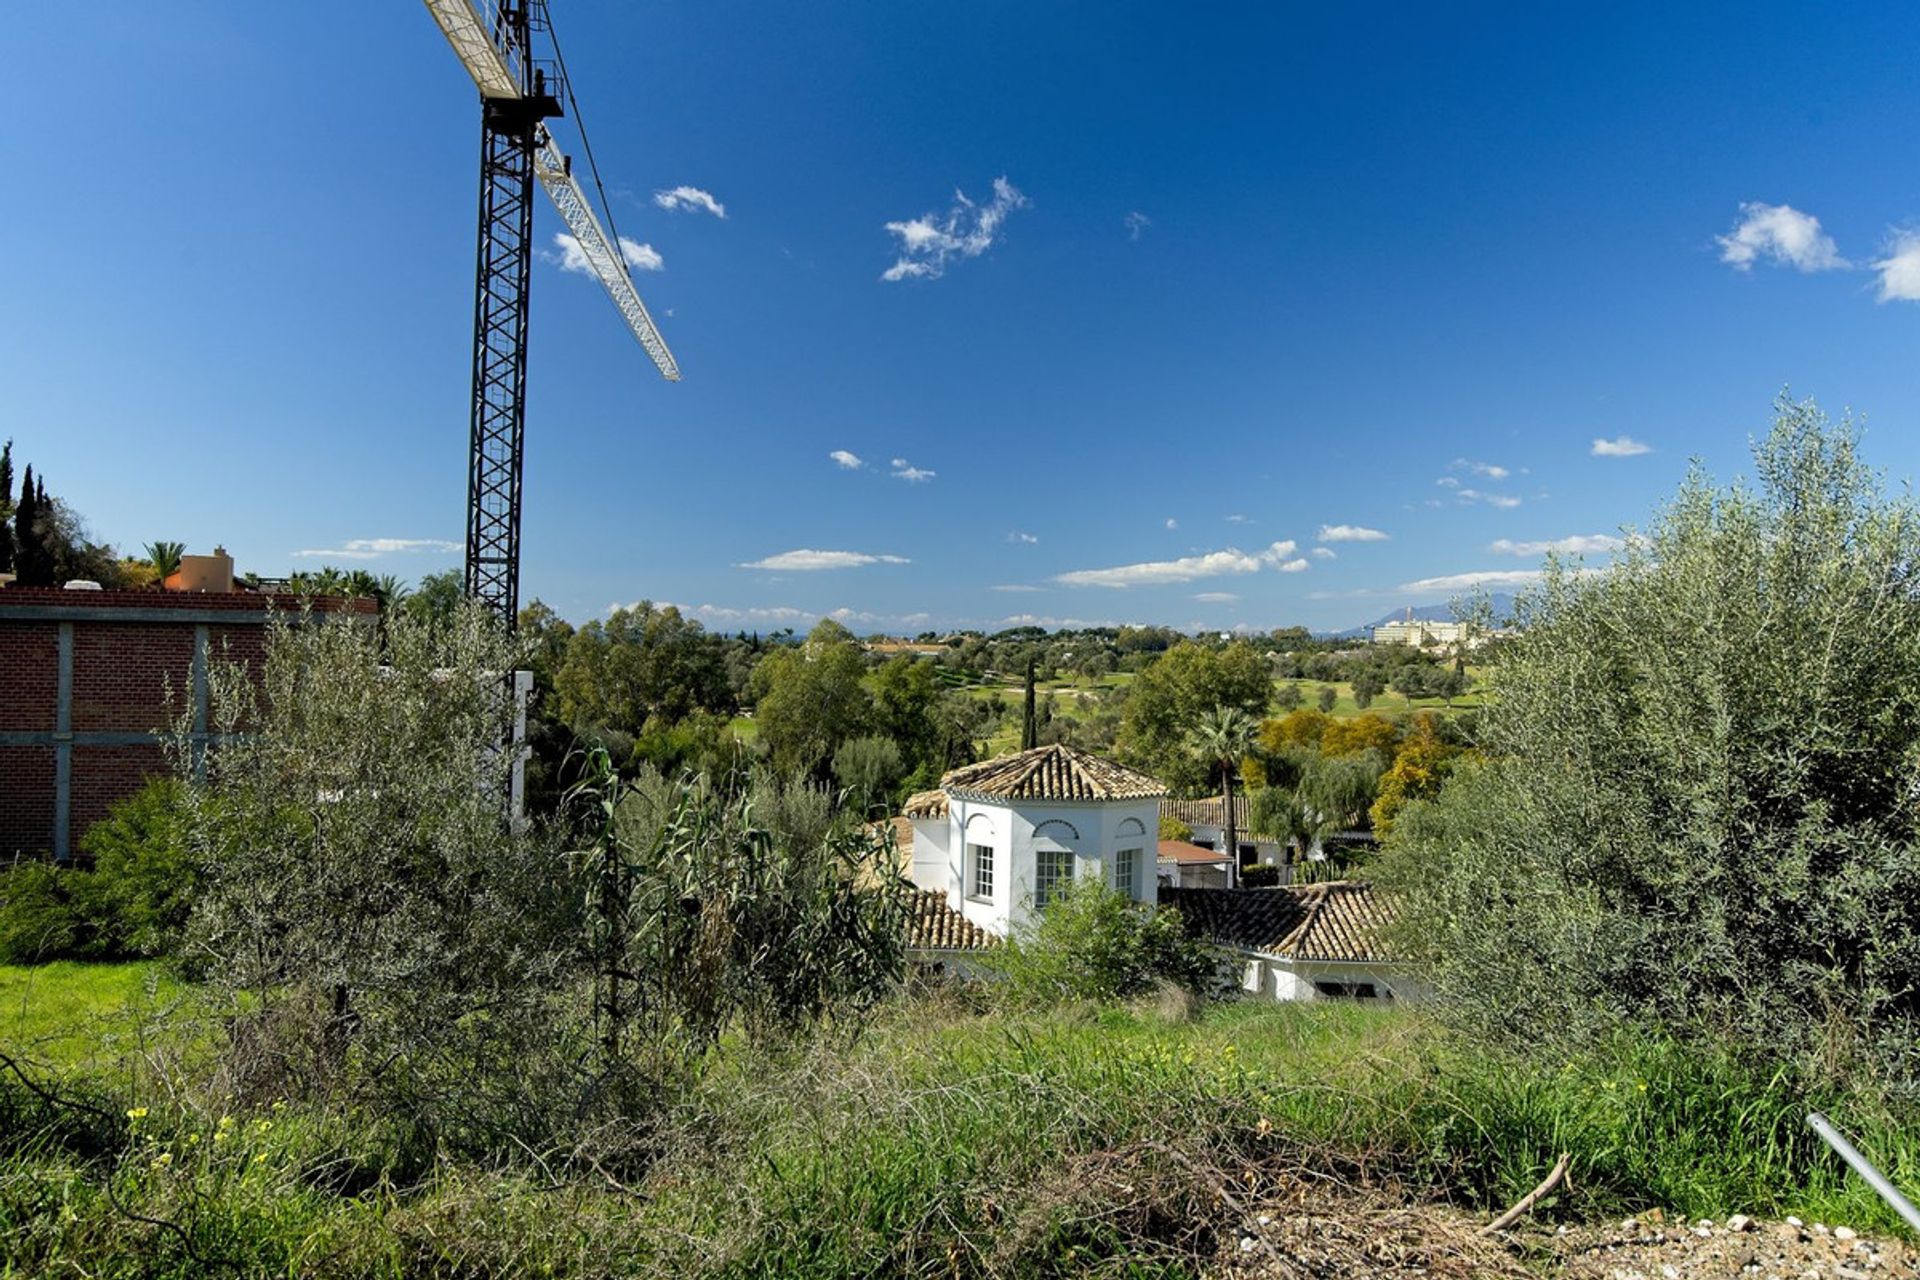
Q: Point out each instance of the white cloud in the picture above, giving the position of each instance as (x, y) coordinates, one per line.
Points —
(1172, 523)
(574, 258)
(1324, 553)
(1136, 223)
(1296, 565)
(1348, 533)
(1237, 518)
(1017, 536)
(806, 561)
(1490, 470)
(1216, 597)
(844, 614)
(1448, 482)
(1779, 233)
(904, 470)
(1468, 581)
(690, 198)
(1574, 545)
(1619, 447)
(643, 256)
(1502, 500)
(1013, 587)
(1041, 620)
(967, 230)
(725, 613)
(1900, 269)
(1211, 565)
(847, 460)
(374, 548)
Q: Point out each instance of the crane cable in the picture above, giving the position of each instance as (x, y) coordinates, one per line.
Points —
(586, 143)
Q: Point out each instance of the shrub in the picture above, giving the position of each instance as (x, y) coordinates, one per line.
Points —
(1696, 811)
(1264, 875)
(141, 889)
(39, 919)
(1092, 942)
(133, 902)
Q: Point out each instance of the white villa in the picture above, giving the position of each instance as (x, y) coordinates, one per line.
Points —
(998, 838)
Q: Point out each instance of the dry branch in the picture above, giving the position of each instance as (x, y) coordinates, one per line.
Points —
(1530, 1199)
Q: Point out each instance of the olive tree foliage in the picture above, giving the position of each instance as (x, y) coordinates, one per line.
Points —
(711, 907)
(378, 927)
(1696, 807)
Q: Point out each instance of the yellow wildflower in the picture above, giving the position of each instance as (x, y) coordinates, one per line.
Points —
(162, 1160)
(137, 1113)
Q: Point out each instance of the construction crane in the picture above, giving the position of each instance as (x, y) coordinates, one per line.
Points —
(518, 95)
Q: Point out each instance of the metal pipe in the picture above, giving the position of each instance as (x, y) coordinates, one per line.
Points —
(1874, 1178)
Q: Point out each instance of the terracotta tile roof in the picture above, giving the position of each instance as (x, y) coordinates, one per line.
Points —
(874, 872)
(1212, 812)
(926, 804)
(1337, 920)
(1056, 772)
(1181, 851)
(932, 925)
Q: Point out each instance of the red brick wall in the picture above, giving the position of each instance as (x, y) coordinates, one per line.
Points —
(129, 676)
(29, 676)
(26, 799)
(102, 775)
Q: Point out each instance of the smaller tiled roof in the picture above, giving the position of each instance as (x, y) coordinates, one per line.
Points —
(926, 804)
(1336, 920)
(1183, 852)
(933, 925)
(1056, 772)
(1212, 812)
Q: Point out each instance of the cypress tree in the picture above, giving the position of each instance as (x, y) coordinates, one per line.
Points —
(1030, 728)
(6, 507)
(34, 563)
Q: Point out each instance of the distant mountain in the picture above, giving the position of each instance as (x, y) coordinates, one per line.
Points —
(1502, 603)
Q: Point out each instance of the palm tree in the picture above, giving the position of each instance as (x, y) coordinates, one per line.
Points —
(165, 558)
(1222, 738)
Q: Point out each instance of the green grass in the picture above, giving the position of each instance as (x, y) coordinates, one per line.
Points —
(1387, 704)
(68, 1015)
(943, 1140)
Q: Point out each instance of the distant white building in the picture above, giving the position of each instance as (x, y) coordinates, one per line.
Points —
(999, 838)
(1429, 633)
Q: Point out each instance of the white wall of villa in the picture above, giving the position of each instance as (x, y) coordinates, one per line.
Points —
(989, 856)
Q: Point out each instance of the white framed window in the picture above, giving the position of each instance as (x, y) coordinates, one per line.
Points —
(980, 871)
(1052, 869)
(1125, 864)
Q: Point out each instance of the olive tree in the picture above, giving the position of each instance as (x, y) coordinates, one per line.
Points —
(377, 922)
(1696, 807)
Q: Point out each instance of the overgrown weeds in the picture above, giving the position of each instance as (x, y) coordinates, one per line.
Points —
(942, 1140)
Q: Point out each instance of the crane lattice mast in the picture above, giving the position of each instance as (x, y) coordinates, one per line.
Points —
(518, 94)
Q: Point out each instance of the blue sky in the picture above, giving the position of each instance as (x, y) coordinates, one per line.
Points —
(1249, 278)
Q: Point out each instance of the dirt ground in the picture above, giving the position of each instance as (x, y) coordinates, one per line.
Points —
(1376, 1241)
